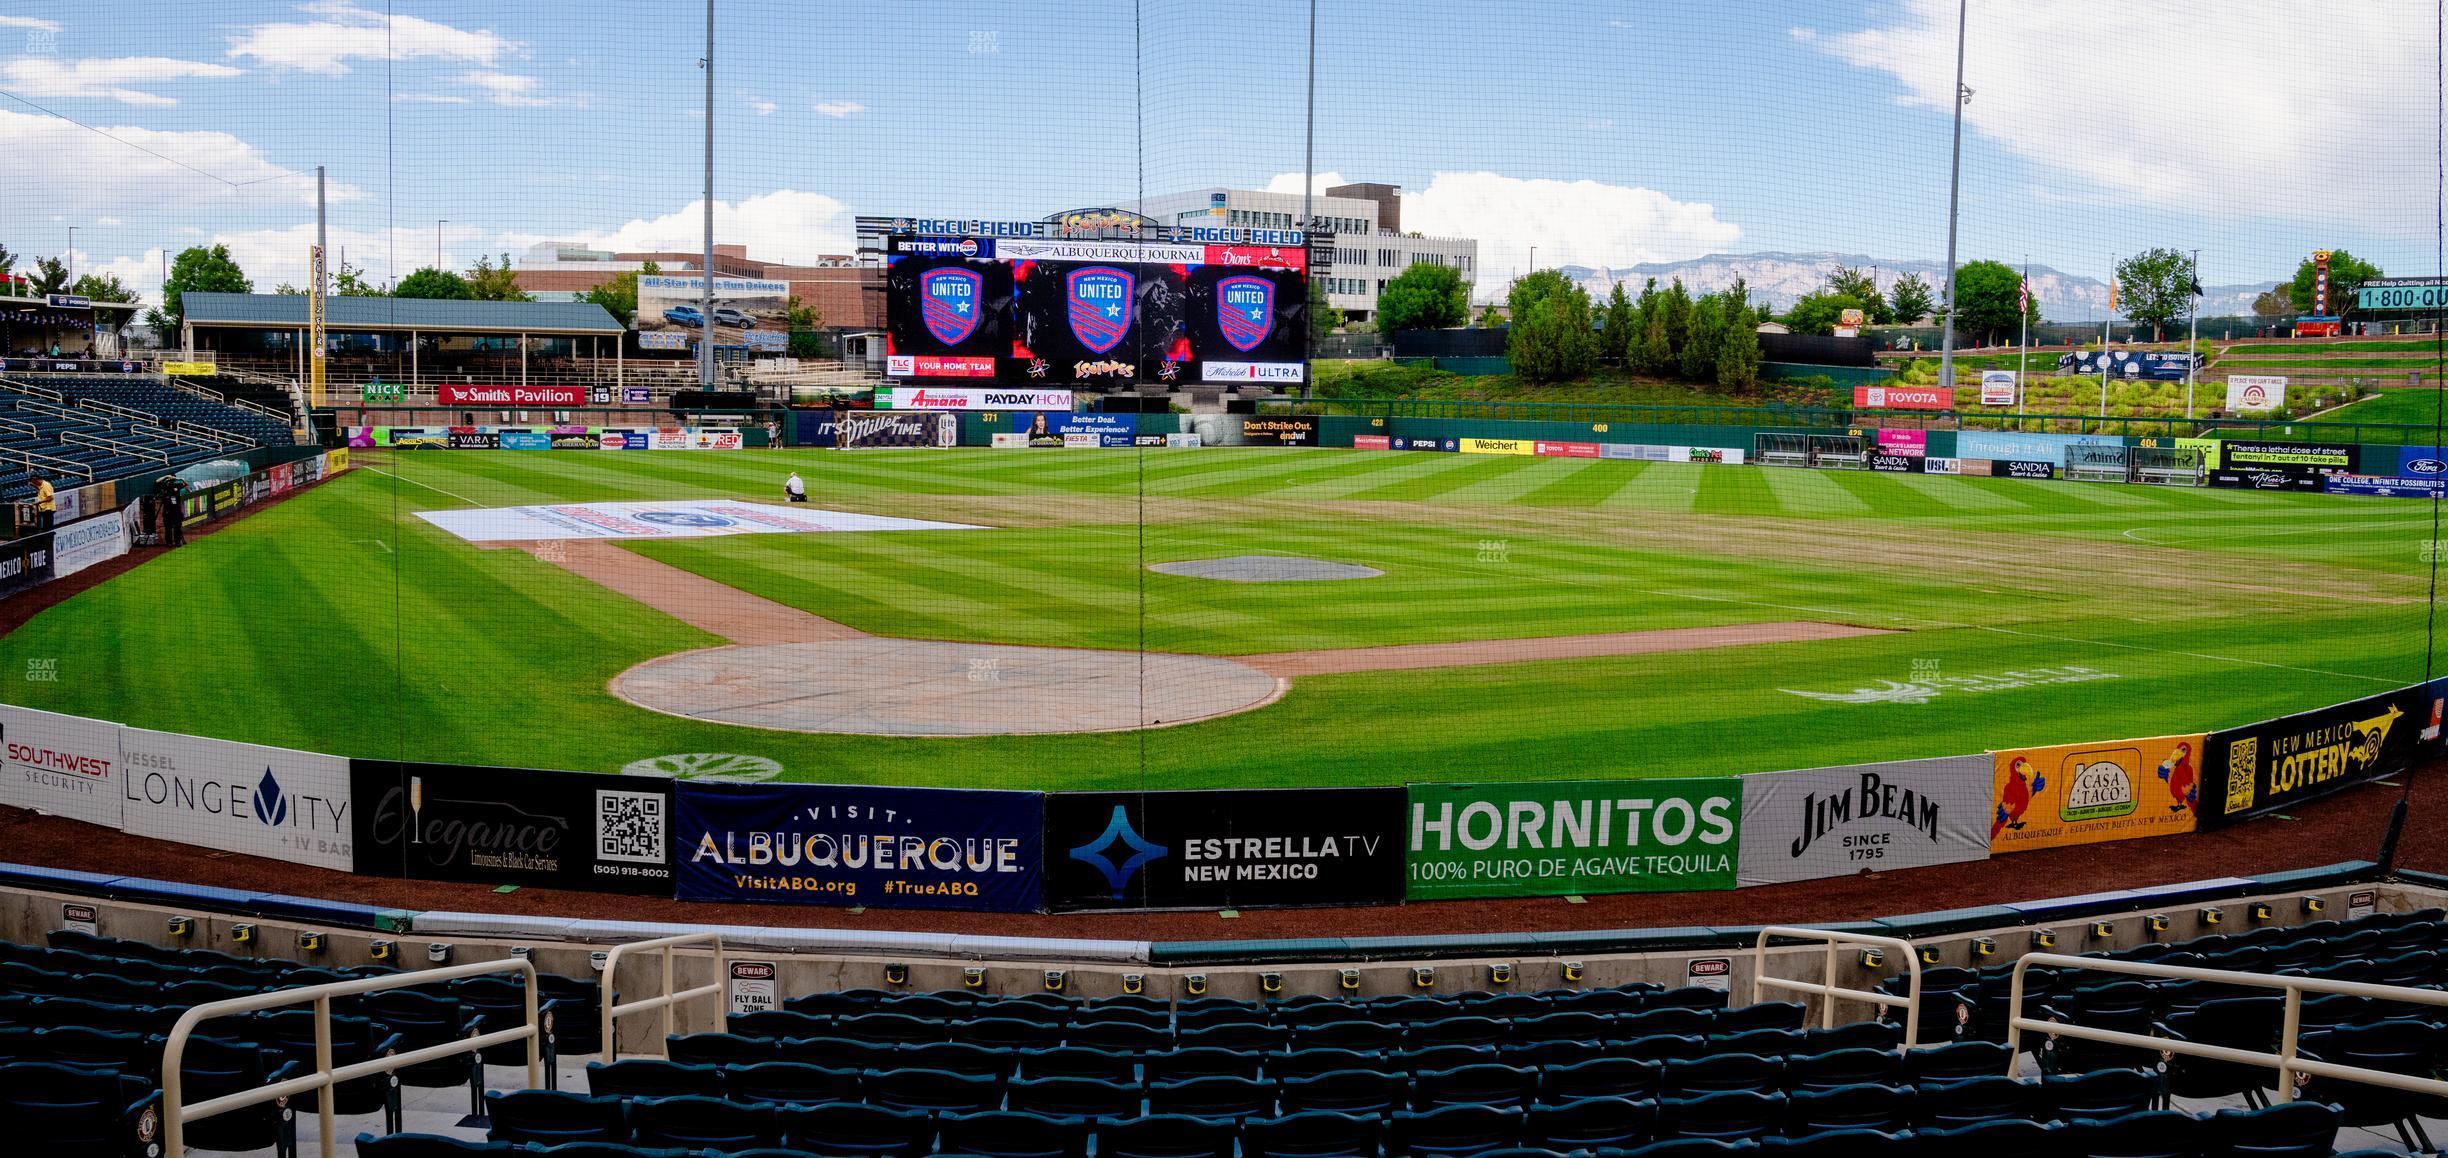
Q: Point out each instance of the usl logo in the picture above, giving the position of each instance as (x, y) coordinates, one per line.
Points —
(1100, 298)
(1245, 310)
(1118, 837)
(682, 519)
(949, 302)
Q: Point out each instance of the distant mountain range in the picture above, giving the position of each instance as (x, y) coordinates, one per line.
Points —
(1780, 278)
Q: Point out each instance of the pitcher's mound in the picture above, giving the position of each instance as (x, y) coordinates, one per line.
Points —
(905, 687)
(1265, 569)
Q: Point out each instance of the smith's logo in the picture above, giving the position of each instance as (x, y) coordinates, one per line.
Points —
(1118, 835)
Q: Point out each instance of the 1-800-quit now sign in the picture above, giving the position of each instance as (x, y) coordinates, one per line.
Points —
(1573, 837)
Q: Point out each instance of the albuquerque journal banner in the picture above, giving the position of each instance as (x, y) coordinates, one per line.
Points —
(825, 844)
(1573, 837)
(2085, 793)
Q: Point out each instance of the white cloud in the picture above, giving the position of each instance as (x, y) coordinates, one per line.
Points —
(108, 221)
(762, 107)
(2253, 142)
(784, 225)
(1569, 222)
(429, 98)
(124, 79)
(100, 175)
(511, 90)
(36, 23)
(839, 109)
(1291, 182)
(347, 32)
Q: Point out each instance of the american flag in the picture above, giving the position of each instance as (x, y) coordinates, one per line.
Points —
(2023, 301)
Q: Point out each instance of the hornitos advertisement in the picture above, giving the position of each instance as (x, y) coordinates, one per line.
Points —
(1573, 837)
(2085, 793)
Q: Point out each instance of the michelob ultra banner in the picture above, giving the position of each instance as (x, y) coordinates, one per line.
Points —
(2086, 793)
(1573, 837)
(2279, 763)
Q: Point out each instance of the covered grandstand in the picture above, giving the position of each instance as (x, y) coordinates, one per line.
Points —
(416, 342)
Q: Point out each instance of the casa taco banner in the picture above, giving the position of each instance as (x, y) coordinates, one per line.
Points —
(2085, 793)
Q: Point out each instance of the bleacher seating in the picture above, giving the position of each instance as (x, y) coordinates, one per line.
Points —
(173, 405)
(1636, 1070)
(114, 427)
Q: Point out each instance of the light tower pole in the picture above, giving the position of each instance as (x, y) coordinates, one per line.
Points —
(1946, 346)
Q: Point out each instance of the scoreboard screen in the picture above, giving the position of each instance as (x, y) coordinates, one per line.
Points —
(1032, 311)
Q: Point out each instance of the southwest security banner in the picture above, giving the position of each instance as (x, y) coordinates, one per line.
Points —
(566, 830)
(1211, 850)
(2267, 767)
(269, 802)
(1573, 837)
(824, 844)
(1824, 822)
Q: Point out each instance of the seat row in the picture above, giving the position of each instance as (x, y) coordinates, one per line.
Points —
(1597, 1126)
(1193, 1012)
(1120, 1033)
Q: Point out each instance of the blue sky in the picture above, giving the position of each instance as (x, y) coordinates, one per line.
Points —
(1603, 133)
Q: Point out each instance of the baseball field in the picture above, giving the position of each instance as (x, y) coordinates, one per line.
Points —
(1530, 618)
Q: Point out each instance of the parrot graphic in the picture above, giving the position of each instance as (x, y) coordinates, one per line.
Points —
(2021, 785)
(2177, 770)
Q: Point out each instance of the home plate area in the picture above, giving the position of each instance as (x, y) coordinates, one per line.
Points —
(686, 519)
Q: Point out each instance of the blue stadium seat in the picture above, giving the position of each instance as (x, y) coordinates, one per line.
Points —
(934, 1091)
(958, 1057)
(1956, 1061)
(1315, 1134)
(703, 1123)
(430, 1146)
(1201, 1062)
(1212, 1097)
(2008, 1138)
(1689, 1077)
(796, 1083)
(1972, 1101)
(1729, 1115)
(1076, 1062)
(1074, 1097)
(1305, 1063)
(554, 1116)
(52, 1108)
(719, 1049)
(851, 1129)
(1005, 1134)
(1455, 1129)
(2301, 1129)
(1886, 1109)
(651, 1078)
(1832, 1144)
(1590, 1124)
(1842, 1067)
(2100, 1094)
(1344, 1091)
(1166, 1136)
(1472, 1085)
(1619, 1077)
(2149, 1134)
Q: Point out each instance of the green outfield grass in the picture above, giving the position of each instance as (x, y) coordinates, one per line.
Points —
(2415, 407)
(337, 621)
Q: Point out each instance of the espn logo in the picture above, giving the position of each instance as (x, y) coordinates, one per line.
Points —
(2243, 761)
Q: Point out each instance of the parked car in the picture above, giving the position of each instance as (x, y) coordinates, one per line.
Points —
(684, 316)
(727, 316)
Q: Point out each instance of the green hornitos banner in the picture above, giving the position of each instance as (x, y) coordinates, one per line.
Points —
(1573, 837)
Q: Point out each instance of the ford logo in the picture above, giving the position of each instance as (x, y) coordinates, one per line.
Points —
(2426, 466)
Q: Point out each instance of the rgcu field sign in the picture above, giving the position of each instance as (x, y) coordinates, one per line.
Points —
(1573, 837)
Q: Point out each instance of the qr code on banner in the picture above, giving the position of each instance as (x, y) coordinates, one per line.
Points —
(629, 826)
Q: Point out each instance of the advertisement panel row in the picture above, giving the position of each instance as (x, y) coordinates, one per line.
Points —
(548, 438)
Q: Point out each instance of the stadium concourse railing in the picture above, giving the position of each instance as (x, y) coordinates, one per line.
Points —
(1826, 988)
(2286, 1060)
(666, 1000)
(176, 1113)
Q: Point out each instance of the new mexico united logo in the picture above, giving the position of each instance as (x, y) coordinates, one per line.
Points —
(949, 301)
(1245, 310)
(1100, 298)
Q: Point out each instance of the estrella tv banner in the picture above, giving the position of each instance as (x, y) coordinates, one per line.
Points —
(1224, 849)
(2085, 793)
(825, 844)
(1570, 838)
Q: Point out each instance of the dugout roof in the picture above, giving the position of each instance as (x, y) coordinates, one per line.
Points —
(401, 315)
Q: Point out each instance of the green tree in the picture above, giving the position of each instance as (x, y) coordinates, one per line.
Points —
(351, 282)
(434, 283)
(1738, 355)
(1818, 312)
(2346, 274)
(102, 287)
(2154, 286)
(1986, 293)
(1426, 296)
(1678, 306)
(1615, 338)
(1862, 286)
(2274, 302)
(8, 261)
(1552, 339)
(1490, 317)
(1911, 300)
(199, 270)
(1324, 316)
(618, 296)
(496, 283)
(1698, 361)
(805, 342)
(50, 276)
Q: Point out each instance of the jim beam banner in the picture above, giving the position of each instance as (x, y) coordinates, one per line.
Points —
(1573, 837)
(2085, 793)
(1824, 822)
(2277, 764)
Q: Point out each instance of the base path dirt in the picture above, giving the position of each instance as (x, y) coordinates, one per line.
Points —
(1484, 651)
(716, 608)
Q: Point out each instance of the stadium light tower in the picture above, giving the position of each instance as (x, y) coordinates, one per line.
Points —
(1946, 341)
(1309, 151)
(705, 296)
(438, 241)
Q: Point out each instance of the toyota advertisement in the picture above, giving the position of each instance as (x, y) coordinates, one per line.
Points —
(1057, 312)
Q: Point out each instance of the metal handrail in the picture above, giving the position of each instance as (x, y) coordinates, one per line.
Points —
(30, 388)
(1827, 989)
(59, 411)
(219, 436)
(2284, 1061)
(666, 999)
(112, 445)
(176, 1113)
(36, 458)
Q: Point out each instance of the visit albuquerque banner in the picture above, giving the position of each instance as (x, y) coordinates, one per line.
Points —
(2268, 766)
(2084, 793)
(1573, 837)
(825, 844)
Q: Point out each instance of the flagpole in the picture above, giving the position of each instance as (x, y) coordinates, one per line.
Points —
(2023, 344)
(2107, 336)
(2193, 335)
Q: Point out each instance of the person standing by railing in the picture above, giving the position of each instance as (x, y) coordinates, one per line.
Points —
(46, 502)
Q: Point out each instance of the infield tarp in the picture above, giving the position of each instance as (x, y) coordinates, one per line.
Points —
(219, 794)
(674, 519)
(823, 844)
(1824, 822)
(64, 765)
(458, 822)
(1224, 849)
(2273, 765)
(1579, 837)
(2085, 793)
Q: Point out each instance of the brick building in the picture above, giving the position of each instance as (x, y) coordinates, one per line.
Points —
(845, 295)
